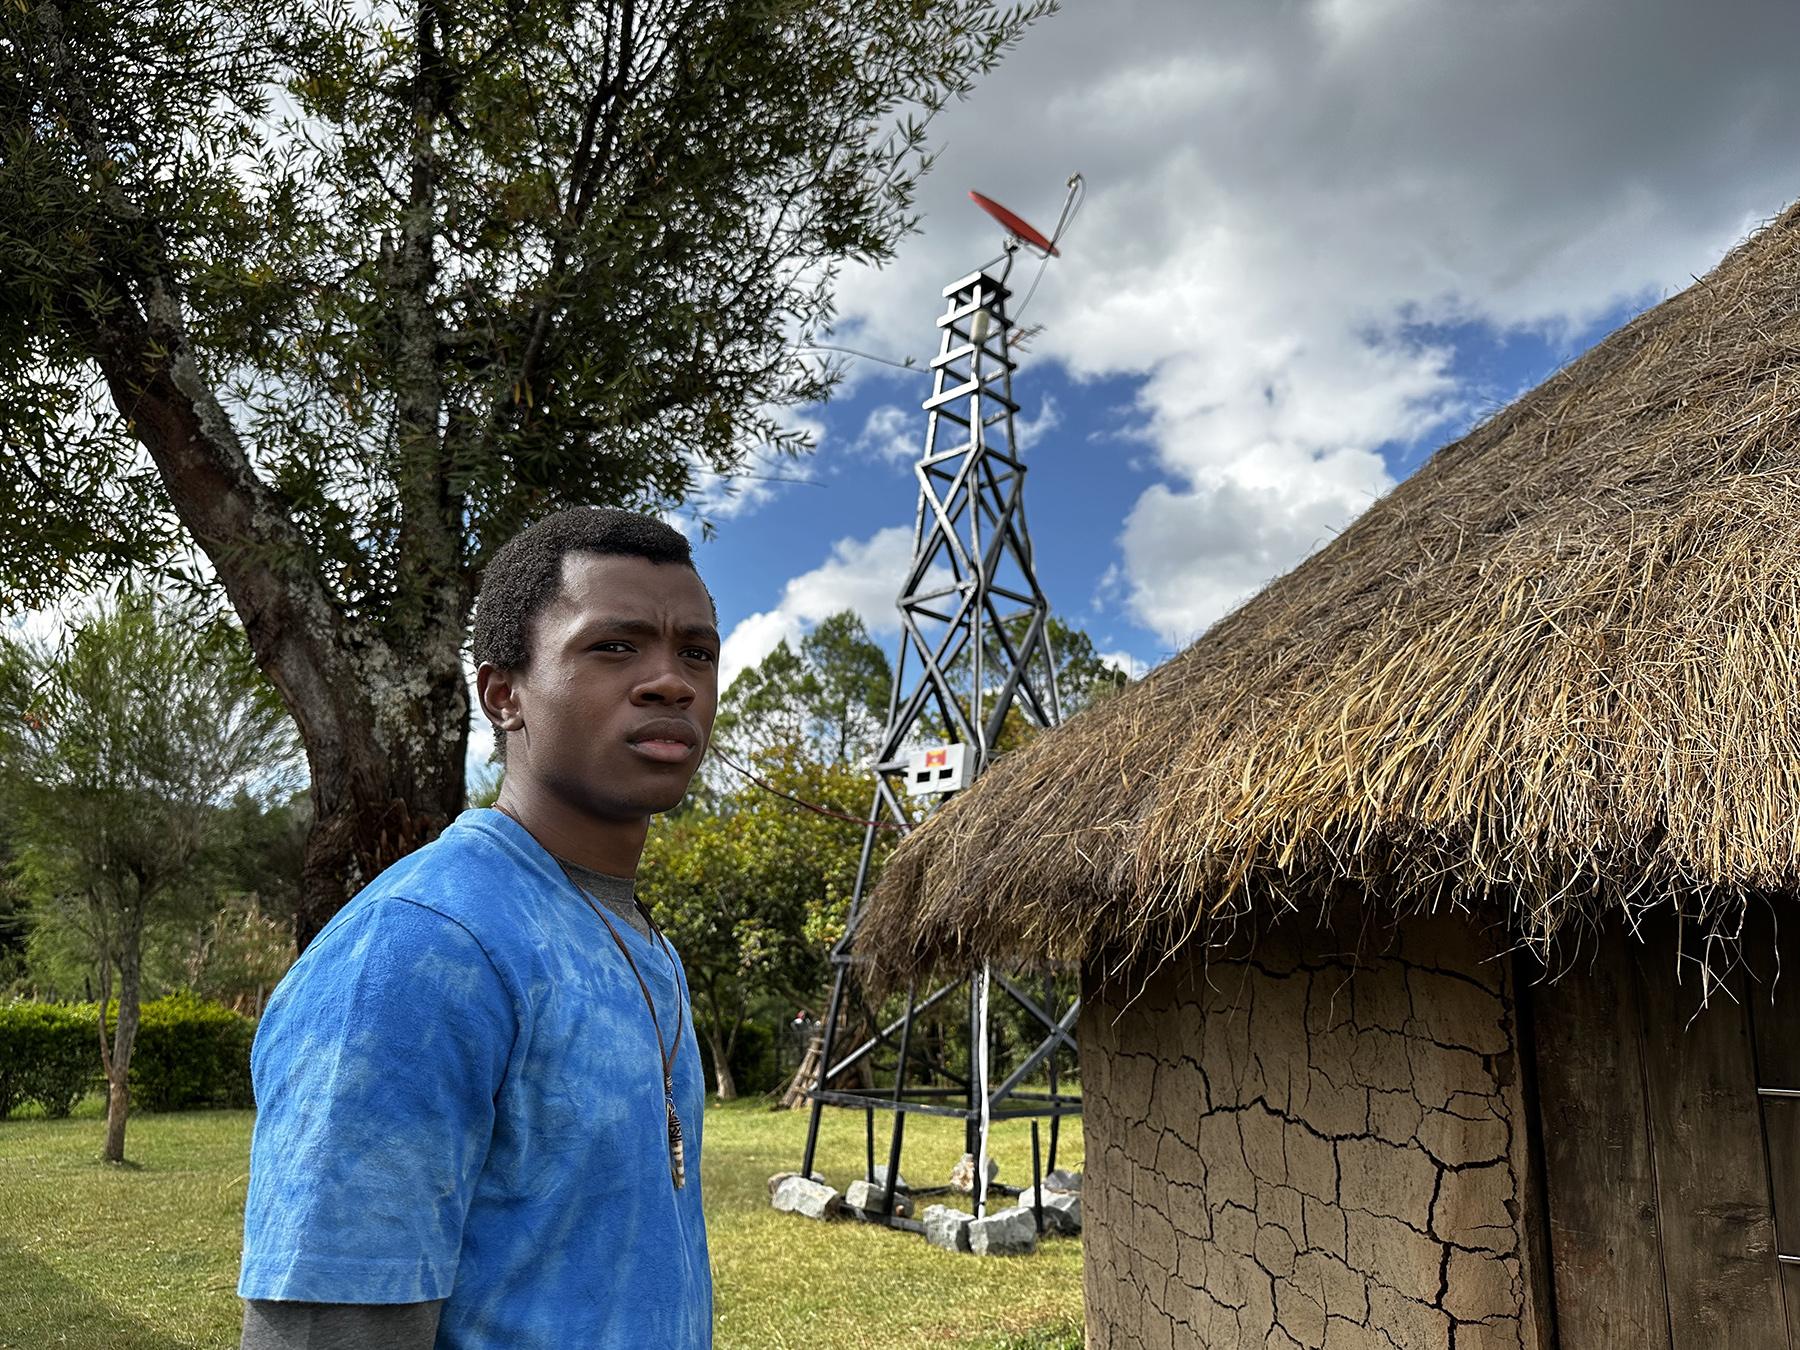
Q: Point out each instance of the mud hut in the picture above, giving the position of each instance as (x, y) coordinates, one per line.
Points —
(1429, 906)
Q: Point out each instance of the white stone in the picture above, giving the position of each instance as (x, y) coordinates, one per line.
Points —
(1067, 1182)
(776, 1180)
(1010, 1232)
(866, 1195)
(947, 1228)
(809, 1199)
(962, 1176)
(1062, 1211)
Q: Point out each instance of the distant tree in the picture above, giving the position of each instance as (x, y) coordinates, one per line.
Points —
(15, 686)
(122, 756)
(853, 679)
(753, 891)
(768, 704)
(241, 892)
(262, 851)
(1083, 678)
(828, 701)
(342, 294)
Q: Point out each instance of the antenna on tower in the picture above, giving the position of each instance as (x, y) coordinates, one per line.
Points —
(975, 647)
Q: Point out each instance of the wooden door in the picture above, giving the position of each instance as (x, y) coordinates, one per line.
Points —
(1657, 1173)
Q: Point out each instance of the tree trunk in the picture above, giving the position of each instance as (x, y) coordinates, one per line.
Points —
(380, 702)
(721, 1053)
(383, 714)
(376, 800)
(118, 1064)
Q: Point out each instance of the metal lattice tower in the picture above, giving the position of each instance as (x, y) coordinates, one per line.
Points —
(975, 646)
(971, 525)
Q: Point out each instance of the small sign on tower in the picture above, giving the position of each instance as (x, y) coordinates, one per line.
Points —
(937, 768)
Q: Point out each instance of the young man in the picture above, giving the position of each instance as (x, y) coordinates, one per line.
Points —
(479, 1094)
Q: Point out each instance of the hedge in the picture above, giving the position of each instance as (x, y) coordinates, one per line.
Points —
(49, 1054)
(189, 1053)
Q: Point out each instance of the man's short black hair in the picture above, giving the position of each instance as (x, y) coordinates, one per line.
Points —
(526, 574)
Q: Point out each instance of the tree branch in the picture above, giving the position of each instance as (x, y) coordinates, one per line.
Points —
(148, 364)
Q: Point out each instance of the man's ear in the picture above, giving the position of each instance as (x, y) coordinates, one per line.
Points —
(498, 692)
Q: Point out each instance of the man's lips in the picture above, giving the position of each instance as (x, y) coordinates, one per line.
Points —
(667, 742)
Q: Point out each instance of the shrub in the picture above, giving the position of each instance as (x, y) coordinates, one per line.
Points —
(49, 1053)
(189, 1053)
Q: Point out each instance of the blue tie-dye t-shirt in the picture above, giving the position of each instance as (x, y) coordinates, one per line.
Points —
(459, 1097)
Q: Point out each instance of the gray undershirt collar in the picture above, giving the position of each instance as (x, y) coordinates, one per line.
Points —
(619, 894)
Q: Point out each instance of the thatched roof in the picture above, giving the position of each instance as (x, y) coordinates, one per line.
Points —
(1557, 669)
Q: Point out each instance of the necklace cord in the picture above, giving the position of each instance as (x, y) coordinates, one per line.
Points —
(677, 1162)
(667, 1053)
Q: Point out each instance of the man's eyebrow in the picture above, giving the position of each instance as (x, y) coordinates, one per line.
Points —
(640, 626)
(647, 628)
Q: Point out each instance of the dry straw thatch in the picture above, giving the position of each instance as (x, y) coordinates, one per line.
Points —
(1554, 670)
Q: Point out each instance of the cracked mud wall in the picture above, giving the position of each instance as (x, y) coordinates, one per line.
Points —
(1307, 1148)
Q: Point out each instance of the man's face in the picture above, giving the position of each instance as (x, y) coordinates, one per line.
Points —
(615, 707)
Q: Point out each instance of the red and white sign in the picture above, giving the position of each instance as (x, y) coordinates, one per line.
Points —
(938, 768)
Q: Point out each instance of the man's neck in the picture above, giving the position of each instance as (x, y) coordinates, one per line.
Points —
(609, 846)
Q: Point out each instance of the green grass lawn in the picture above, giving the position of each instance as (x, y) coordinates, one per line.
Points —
(144, 1256)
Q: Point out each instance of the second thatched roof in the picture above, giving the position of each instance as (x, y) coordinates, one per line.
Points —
(1558, 669)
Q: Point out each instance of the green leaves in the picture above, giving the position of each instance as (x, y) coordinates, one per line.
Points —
(611, 220)
(122, 750)
(753, 889)
(373, 285)
(828, 701)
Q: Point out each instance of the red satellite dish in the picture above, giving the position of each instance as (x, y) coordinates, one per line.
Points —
(1014, 225)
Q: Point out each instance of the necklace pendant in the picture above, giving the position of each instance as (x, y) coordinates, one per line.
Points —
(677, 1155)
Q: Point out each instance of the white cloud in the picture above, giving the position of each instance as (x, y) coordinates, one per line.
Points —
(717, 498)
(1126, 662)
(861, 575)
(893, 434)
(1028, 431)
(1280, 195)
(897, 434)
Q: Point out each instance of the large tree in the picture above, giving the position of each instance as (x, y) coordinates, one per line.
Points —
(318, 303)
(827, 700)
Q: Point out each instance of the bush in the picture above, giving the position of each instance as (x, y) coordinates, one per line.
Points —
(189, 1053)
(49, 1053)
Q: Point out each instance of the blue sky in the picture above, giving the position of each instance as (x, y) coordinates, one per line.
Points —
(1322, 237)
(1089, 460)
(1085, 470)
